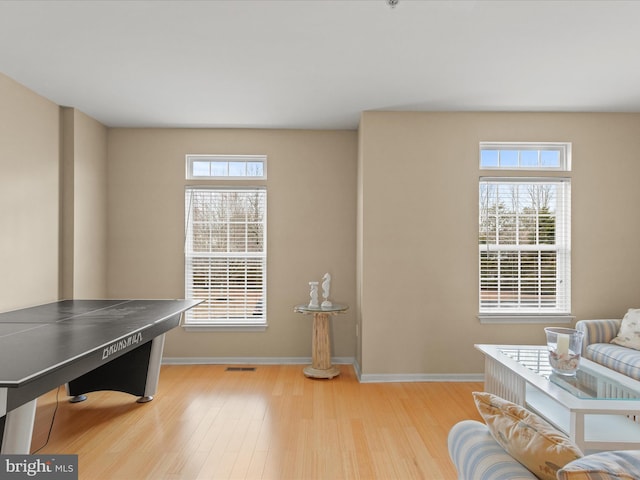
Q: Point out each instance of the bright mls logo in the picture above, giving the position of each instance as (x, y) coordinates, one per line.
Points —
(54, 467)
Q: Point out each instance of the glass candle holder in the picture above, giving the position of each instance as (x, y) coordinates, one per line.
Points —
(565, 347)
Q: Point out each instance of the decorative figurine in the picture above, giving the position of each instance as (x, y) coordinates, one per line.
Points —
(326, 286)
(313, 294)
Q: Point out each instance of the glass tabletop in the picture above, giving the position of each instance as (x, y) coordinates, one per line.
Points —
(334, 308)
(586, 384)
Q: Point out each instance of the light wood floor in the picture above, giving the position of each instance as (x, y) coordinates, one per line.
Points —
(272, 423)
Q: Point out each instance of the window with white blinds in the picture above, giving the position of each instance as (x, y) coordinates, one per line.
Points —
(525, 245)
(226, 256)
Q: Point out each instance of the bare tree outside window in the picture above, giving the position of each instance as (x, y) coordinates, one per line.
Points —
(226, 254)
(524, 231)
(518, 247)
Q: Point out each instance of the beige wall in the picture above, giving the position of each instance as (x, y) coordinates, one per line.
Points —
(29, 201)
(42, 147)
(418, 177)
(311, 204)
(84, 206)
(390, 211)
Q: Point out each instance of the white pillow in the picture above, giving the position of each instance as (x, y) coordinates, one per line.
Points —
(629, 333)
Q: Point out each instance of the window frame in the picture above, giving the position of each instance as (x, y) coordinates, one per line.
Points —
(191, 159)
(562, 241)
(563, 149)
(245, 323)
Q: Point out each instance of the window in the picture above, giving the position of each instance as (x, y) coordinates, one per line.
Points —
(228, 167)
(225, 256)
(524, 233)
(525, 156)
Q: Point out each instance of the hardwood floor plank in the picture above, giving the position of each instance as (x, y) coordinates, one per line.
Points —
(269, 424)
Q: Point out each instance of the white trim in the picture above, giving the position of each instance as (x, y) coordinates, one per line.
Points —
(420, 377)
(249, 360)
(357, 369)
(518, 179)
(564, 148)
(362, 378)
(191, 158)
(487, 318)
(208, 327)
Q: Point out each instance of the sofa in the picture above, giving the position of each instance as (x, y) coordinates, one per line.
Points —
(478, 456)
(619, 356)
(516, 444)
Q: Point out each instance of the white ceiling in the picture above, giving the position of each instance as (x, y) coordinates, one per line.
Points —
(320, 63)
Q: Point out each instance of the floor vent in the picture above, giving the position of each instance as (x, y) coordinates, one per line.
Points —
(241, 369)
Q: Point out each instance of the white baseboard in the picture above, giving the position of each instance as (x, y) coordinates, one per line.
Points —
(362, 378)
(249, 360)
(420, 377)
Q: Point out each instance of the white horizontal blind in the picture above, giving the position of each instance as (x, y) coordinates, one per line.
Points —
(225, 255)
(525, 246)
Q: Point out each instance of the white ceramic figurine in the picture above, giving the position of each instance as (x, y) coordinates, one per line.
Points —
(326, 286)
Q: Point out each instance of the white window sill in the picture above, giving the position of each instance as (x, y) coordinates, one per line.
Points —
(225, 328)
(515, 318)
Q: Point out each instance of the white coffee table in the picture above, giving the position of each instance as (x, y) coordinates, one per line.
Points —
(597, 408)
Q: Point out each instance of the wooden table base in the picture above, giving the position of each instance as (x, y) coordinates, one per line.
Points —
(311, 372)
(321, 349)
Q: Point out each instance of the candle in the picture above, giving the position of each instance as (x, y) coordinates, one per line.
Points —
(562, 348)
(313, 303)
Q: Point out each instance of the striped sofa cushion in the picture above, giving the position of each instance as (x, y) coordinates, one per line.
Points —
(597, 331)
(619, 465)
(596, 347)
(477, 456)
(621, 359)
